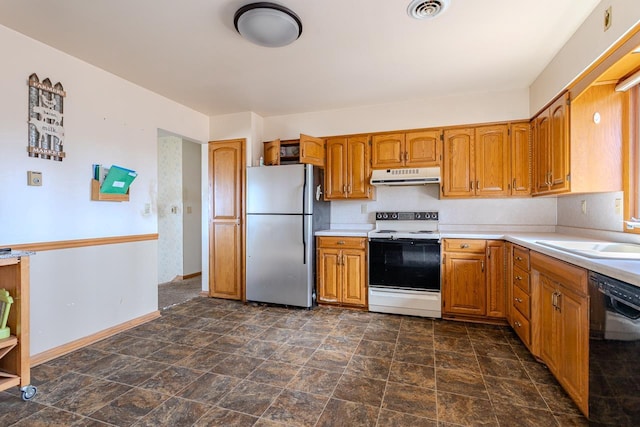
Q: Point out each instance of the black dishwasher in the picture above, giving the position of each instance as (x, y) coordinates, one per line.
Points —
(614, 352)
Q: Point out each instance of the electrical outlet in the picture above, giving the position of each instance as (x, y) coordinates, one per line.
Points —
(147, 208)
(34, 178)
(618, 206)
(583, 207)
(189, 209)
(607, 18)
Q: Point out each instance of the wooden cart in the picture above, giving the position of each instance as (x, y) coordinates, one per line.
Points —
(14, 350)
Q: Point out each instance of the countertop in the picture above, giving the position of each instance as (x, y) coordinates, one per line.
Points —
(16, 254)
(625, 270)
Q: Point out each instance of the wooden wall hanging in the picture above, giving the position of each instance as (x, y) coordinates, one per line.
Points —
(46, 120)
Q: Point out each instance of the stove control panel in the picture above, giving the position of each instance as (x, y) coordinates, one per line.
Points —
(406, 216)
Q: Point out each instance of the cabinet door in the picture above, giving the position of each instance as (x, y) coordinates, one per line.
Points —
(226, 183)
(358, 173)
(520, 159)
(548, 323)
(573, 348)
(387, 151)
(311, 150)
(492, 161)
(541, 153)
(354, 289)
(465, 286)
(422, 149)
(272, 152)
(334, 178)
(329, 273)
(496, 281)
(458, 157)
(559, 145)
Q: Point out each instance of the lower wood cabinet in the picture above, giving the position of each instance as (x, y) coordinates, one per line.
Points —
(562, 320)
(342, 271)
(474, 279)
(519, 290)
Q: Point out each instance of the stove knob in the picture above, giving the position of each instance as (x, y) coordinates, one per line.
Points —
(394, 215)
(378, 215)
(434, 215)
(385, 216)
(419, 215)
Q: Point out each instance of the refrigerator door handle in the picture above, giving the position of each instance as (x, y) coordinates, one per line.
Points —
(305, 189)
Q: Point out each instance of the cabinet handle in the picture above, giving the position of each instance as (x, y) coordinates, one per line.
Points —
(514, 184)
(464, 245)
(477, 185)
(518, 277)
(406, 156)
(341, 242)
(518, 324)
(349, 188)
(471, 185)
(482, 265)
(518, 299)
(518, 258)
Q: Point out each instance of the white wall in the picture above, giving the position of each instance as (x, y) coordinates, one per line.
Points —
(586, 45)
(107, 120)
(444, 111)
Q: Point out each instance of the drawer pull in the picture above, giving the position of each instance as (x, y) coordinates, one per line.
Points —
(518, 277)
(464, 245)
(341, 242)
(518, 299)
(518, 324)
(518, 258)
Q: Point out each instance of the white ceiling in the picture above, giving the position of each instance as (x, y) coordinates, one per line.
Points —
(351, 52)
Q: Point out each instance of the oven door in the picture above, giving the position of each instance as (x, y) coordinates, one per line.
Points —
(405, 264)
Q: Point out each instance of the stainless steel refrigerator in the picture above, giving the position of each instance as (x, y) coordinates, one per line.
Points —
(284, 208)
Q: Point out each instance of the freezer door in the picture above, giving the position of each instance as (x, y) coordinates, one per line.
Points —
(280, 259)
(276, 189)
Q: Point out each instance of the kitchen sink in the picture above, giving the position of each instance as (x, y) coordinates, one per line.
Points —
(609, 250)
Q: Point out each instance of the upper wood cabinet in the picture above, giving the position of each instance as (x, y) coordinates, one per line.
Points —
(307, 149)
(520, 159)
(551, 148)
(477, 162)
(347, 174)
(492, 161)
(411, 149)
(458, 168)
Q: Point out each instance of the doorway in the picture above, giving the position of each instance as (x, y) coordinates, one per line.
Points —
(179, 213)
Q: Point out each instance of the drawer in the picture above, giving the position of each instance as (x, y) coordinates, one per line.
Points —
(522, 279)
(522, 327)
(522, 302)
(464, 245)
(342, 242)
(521, 257)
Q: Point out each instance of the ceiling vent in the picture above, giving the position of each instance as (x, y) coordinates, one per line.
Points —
(427, 9)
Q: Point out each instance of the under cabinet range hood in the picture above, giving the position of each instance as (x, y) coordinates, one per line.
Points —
(406, 176)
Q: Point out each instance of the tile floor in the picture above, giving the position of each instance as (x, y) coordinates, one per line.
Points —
(210, 362)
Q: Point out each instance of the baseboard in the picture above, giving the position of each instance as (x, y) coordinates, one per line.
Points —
(187, 276)
(45, 356)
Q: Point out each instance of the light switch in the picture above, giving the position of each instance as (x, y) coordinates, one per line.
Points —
(34, 178)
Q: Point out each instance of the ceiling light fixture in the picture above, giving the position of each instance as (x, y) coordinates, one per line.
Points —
(427, 9)
(267, 24)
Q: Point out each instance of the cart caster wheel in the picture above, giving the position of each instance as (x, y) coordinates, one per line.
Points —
(28, 392)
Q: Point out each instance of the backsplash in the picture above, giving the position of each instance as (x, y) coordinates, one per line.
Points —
(535, 214)
(600, 212)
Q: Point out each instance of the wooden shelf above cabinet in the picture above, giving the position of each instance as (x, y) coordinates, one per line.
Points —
(106, 197)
